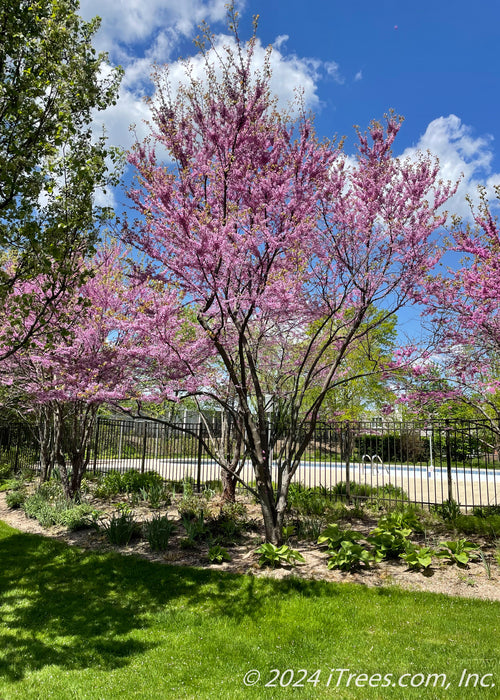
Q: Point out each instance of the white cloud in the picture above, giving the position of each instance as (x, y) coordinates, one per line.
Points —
(126, 22)
(139, 33)
(461, 156)
(358, 76)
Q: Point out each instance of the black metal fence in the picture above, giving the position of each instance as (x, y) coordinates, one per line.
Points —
(427, 463)
(19, 447)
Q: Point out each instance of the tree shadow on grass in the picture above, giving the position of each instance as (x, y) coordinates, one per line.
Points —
(76, 609)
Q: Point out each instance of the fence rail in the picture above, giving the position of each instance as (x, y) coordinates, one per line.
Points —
(428, 463)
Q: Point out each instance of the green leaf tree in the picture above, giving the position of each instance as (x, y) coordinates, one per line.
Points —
(51, 165)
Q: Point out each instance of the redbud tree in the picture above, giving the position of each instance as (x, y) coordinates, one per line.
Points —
(463, 307)
(62, 381)
(264, 233)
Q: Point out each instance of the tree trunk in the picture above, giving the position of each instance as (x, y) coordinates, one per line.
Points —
(228, 486)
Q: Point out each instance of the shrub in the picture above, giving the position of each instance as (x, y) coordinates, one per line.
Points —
(191, 506)
(214, 485)
(308, 527)
(156, 495)
(333, 536)
(133, 481)
(390, 537)
(158, 531)
(109, 485)
(486, 511)
(309, 501)
(195, 529)
(488, 526)
(15, 498)
(5, 470)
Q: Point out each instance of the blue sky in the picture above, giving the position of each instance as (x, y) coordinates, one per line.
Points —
(436, 63)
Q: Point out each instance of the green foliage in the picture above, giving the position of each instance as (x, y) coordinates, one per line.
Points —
(218, 554)
(390, 537)
(333, 536)
(52, 84)
(309, 501)
(5, 469)
(288, 531)
(351, 556)
(121, 527)
(487, 526)
(195, 529)
(156, 495)
(308, 527)
(15, 498)
(49, 506)
(37, 506)
(486, 511)
(458, 552)
(214, 485)
(75, 517)
(417, 557)
(449, 510)
(131, 482)
(109, 485)
(192, 506)
(158, 531)
(272, 555)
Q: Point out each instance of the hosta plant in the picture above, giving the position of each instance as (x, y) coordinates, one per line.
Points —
(351, 556)
(417, 557)
(272, 555)
(333, 536)
(458, 552)
(218, 554)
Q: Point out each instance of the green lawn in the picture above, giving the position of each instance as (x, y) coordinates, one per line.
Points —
(80, 625)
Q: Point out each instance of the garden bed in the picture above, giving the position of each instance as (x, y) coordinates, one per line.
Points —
(479, 578)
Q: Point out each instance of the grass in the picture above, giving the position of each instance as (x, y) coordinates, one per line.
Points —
(76, 624)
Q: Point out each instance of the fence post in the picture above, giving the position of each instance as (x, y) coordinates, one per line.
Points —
(448, 459)
(347, 445)
(96, 442)
(198, 468)
(18, 447)
(144, 447)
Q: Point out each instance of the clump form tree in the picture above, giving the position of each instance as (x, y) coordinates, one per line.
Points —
(265, 232)
(52, 82)
(64, 381)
